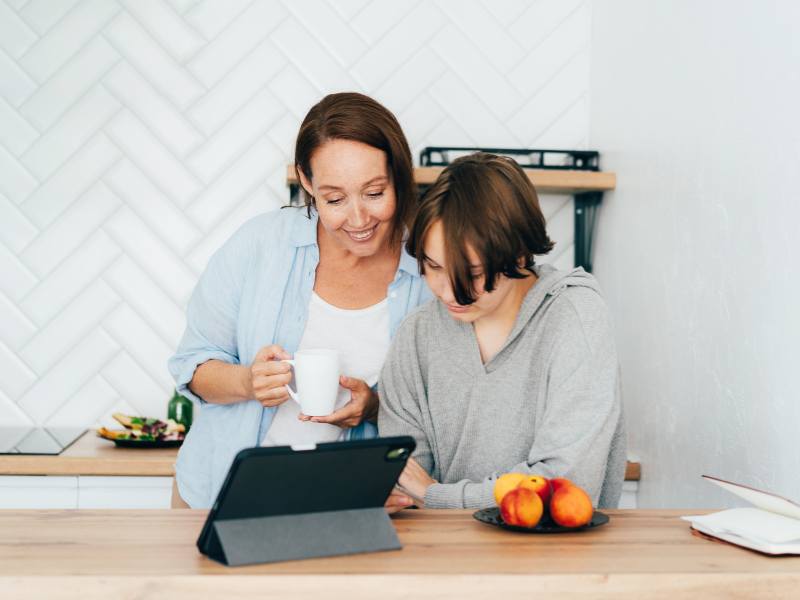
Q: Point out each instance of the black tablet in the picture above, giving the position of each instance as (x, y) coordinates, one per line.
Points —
(290, 502)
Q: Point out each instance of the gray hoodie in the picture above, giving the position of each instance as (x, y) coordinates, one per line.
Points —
(547, 403)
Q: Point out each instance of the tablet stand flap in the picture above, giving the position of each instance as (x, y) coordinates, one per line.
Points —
(306, 535)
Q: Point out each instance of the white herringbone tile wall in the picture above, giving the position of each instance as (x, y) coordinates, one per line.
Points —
(137, 135)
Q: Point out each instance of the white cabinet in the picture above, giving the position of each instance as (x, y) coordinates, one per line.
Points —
(25, 491)
(630, 490)
(83, 491)
(124, 492)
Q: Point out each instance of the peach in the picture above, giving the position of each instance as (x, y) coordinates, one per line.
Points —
(558, 482)
(538, 484)
(570, 506)
(505, 483)
(521, 507)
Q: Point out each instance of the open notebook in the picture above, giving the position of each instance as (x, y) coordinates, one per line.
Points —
(771, 526)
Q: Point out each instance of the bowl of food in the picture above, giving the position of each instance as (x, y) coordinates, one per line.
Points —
(144, 432)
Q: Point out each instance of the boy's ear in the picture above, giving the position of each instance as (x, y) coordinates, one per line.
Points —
(305, 182)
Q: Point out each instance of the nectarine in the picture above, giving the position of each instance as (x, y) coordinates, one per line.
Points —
(505, 483)
(558, 482)
(538, 484)
(570, 506)
(521, 507)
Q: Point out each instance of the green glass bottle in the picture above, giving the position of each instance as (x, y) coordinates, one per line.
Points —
(180, 410)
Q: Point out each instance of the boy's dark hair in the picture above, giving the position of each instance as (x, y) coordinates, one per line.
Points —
(486, 202)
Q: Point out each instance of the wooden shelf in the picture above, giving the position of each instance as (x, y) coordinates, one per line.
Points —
(545, 180)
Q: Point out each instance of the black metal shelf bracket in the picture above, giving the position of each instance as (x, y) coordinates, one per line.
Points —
(586, 205)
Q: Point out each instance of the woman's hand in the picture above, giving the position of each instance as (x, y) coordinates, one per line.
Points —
(363, 405)
(267, 377)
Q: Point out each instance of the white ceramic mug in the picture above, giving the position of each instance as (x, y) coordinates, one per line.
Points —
(316, 376)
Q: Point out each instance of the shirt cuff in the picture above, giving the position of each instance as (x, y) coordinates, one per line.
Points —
(189, 366)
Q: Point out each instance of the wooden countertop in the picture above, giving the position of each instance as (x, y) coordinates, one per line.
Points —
(546, 180)
(92, 455)
(150, 554)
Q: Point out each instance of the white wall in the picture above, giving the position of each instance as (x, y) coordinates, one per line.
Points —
(695, 106)
(136, 136)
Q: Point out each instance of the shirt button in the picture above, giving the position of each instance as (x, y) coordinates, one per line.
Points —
(393, 295)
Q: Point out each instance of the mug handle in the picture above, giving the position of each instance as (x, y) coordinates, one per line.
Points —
(289, 389)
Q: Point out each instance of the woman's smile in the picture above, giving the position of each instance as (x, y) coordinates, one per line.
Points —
(362, 235)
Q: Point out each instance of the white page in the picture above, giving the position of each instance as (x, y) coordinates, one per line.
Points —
(752, 523)
(764, 500)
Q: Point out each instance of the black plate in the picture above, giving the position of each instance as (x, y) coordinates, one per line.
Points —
(492, 516)
(148, 443)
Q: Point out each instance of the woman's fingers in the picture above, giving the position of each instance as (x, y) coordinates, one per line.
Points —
(271, 391)
(272, 352)
(264, 382)
(353, 384)
(347, 416)
(352, 413)
(274, 397)
(273, 367)
(361, 396)
(269, 376)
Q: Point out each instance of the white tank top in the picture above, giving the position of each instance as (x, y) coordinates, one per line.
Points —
(362, 338)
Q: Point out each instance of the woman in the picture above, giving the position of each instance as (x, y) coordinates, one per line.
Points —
(514, 368)
(297, 278)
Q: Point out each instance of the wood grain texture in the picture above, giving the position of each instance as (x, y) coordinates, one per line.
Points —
(446, 553)
(545, 180)
(91, 455)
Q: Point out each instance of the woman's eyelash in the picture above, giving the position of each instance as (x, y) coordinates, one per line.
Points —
(370, 195)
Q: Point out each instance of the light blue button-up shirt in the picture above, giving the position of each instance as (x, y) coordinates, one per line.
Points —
(255, 292)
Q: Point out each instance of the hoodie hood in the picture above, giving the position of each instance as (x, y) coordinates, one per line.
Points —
(551, 283)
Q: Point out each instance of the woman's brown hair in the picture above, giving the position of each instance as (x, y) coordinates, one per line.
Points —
(354, 116)
(486, 202)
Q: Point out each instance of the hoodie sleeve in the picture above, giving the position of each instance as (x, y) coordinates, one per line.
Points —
(583, 409)
(583, 406)
(402, 391)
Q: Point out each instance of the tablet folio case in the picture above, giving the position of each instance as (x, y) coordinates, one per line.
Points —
(311, 535)
(330, 502)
